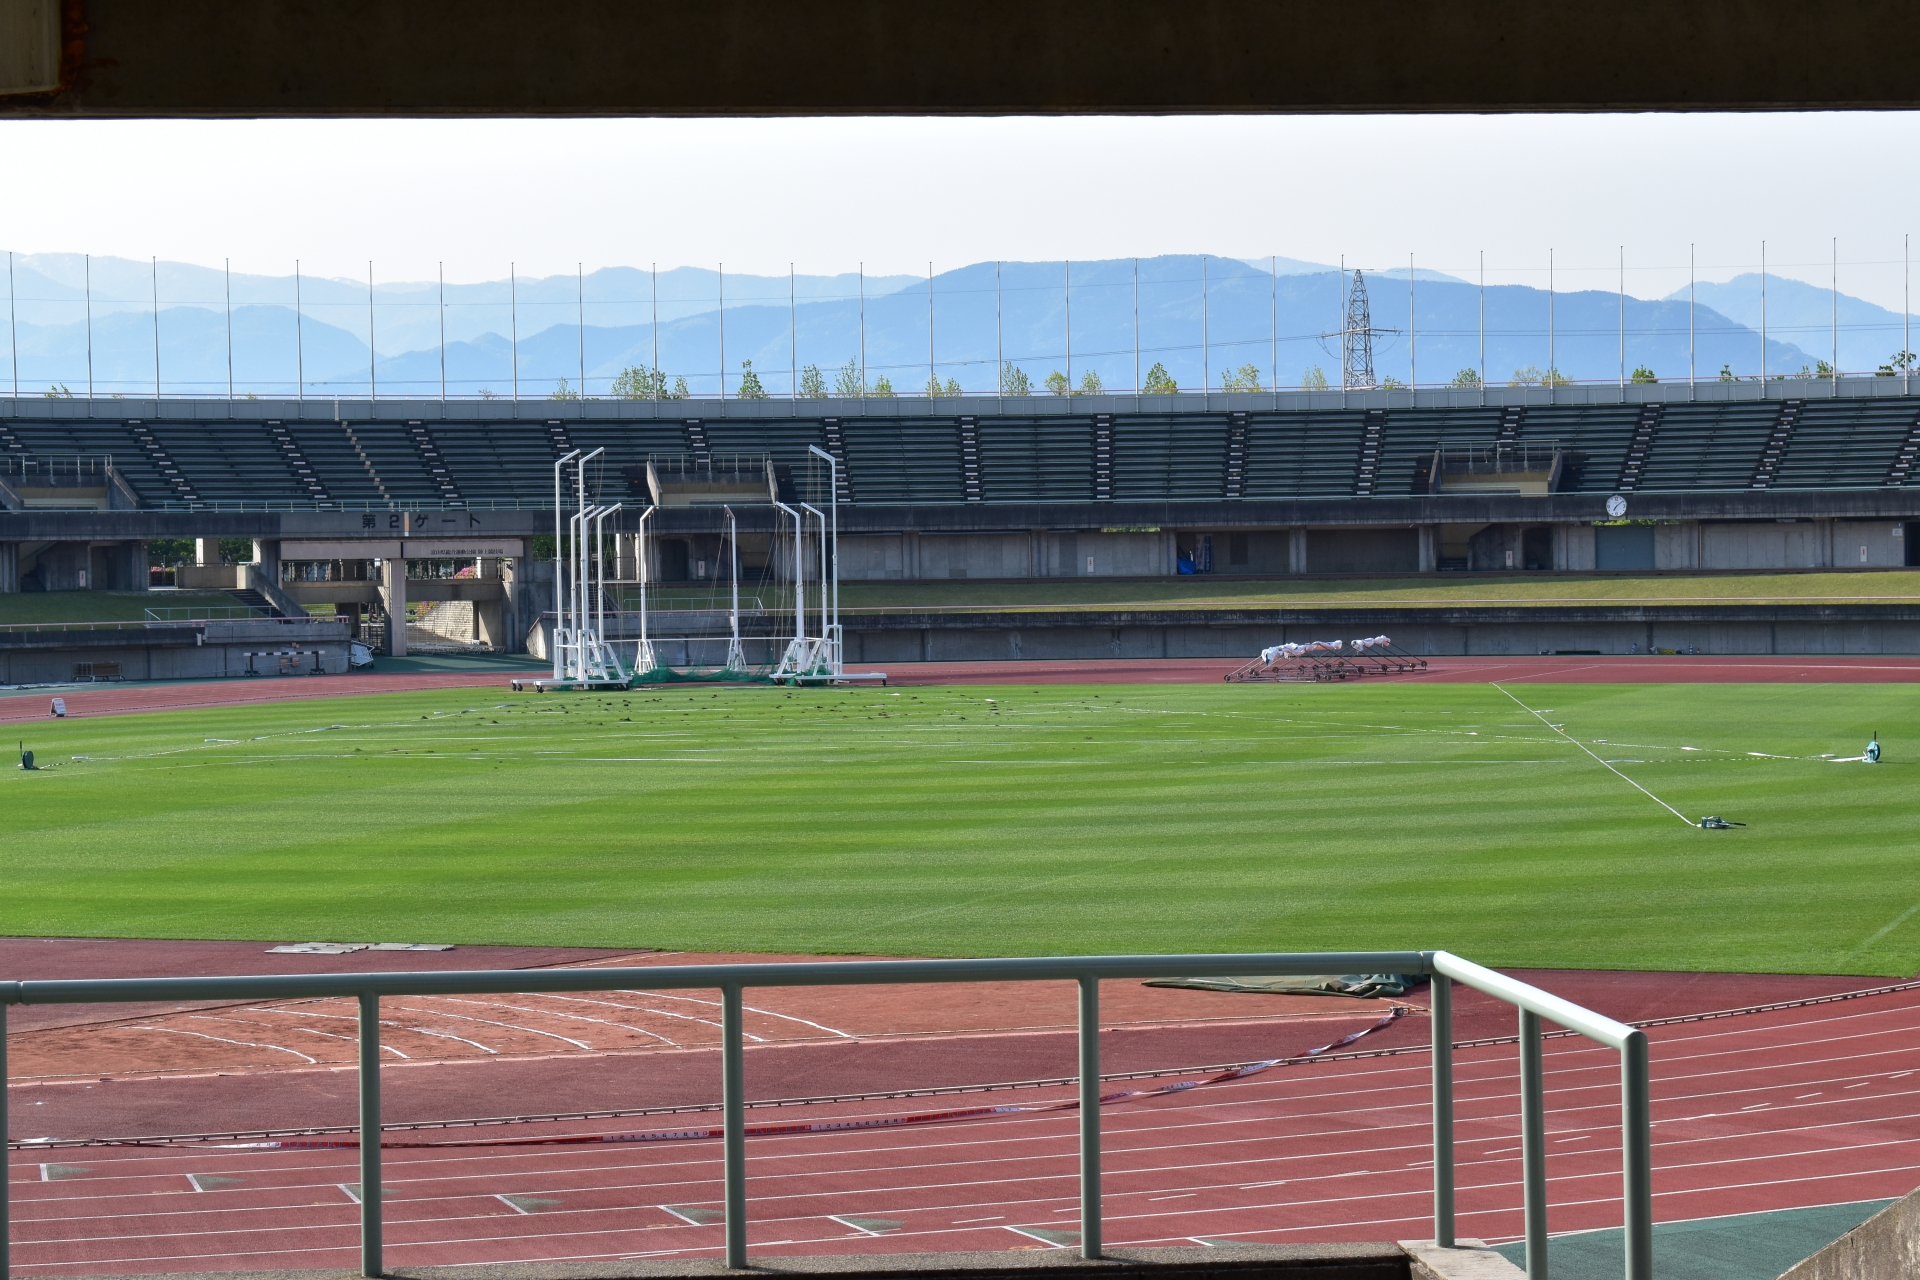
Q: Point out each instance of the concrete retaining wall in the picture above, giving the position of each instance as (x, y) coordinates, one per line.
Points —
(1223, 633)
(176, 651)
(1884, 1246)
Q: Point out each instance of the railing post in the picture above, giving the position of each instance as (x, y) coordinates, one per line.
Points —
(1636, 1155)
(1090, 1117)
(733, 1100)
(6, 1161)
(1441, 999)
(370, 1190)
(1533, 1144)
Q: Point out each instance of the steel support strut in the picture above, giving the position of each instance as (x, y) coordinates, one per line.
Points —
(1090, 1117)
(1636, 1164)
(1533, 1144)
(370, 1193)
(733, 1101)
(1441, 1000)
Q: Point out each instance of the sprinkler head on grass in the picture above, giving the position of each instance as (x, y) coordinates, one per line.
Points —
(1711, 823)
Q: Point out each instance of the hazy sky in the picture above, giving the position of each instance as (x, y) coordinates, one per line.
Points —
(894, 193)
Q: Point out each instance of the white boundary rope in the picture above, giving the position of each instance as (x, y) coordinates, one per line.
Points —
(1597, 760)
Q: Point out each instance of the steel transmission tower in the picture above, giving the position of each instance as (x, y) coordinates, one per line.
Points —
(1356, 339)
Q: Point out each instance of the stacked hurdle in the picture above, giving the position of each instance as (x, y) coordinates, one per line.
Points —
(1321, 660)
(1379, 657)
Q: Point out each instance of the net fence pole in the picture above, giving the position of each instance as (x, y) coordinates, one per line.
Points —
(370, 1193)
(1441, 1000)
(1553, 355)
(1533, 1144)
(734, 1126)
(1090, 1118)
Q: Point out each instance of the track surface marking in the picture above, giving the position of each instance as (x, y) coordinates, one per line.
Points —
(1752, 1112)
(32, 705)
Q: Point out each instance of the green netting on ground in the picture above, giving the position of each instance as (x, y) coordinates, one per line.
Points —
(1741, 1246)
(719, 675)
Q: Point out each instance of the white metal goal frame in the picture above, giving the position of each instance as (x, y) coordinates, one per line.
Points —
(582, 655)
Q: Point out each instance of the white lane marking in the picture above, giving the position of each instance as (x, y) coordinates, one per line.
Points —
(555, 1013)
(331, 1035)
(1623, 777)
(1888, 928)
(397, 1026)
(249, 1044)
(692, 1222)
(461, 1017)
(441, 1035)
(789, 1017)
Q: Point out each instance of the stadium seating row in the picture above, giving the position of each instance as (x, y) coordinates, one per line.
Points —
(1825, 444)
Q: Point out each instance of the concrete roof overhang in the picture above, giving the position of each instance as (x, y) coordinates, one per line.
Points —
(247, 58)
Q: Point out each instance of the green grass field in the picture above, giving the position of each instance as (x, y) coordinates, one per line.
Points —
(104, 606)
(998, 821)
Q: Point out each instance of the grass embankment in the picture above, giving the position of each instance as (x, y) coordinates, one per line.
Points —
(1883, 587)
(104, 606)
(997, 821)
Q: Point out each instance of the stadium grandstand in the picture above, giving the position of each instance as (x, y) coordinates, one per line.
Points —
(1791, 474)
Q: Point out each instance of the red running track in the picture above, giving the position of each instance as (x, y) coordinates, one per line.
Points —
(1756, 1111)
(1650, 669)
(120, 699)
(199, 695)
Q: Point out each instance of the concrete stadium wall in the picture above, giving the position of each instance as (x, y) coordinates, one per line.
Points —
(1887, 1244)
(1363, 551)
(1024, 554)
(1810, 544)
(1762, 546)
(179, 651)
(1808, 630)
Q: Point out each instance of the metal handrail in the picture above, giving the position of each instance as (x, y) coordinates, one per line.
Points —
(1636, 1135)
(203, 613)
(1085, 971)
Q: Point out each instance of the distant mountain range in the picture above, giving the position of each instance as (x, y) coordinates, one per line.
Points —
(1202, 319)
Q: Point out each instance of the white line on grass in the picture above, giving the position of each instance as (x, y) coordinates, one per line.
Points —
(1895, 923)
(1597, 760)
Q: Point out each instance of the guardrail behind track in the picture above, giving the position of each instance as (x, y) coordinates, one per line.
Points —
(1534, 1006)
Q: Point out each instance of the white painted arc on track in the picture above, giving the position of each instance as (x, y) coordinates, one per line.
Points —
(1596, 759)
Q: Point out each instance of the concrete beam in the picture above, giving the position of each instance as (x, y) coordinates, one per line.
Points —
(393, 591)
(130, 58)
(418, 589)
